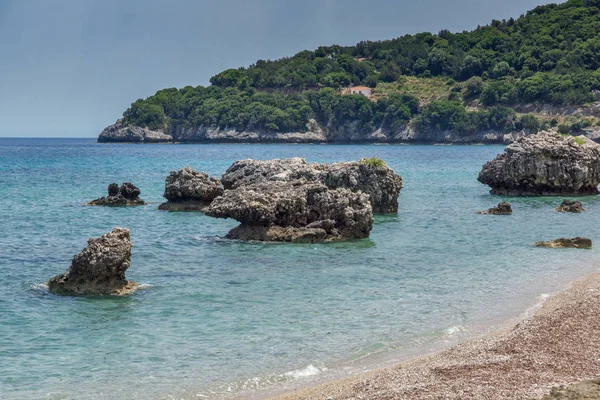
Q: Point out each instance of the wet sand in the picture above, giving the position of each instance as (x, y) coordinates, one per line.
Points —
(558, 345)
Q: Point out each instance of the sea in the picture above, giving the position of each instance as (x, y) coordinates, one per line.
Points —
(216, 318)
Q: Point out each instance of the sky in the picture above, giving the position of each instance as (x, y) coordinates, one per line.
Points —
(68, 68)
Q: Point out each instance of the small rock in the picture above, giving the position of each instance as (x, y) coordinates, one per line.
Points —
(503, 208)
(99, 269)
(572, 206)
(577, 243)
(126, 195)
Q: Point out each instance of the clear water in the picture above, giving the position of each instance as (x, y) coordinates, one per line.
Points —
(217, 316)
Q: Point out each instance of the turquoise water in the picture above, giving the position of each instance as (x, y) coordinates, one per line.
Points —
(217, 317)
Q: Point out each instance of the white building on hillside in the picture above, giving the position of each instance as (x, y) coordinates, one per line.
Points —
(365, 91)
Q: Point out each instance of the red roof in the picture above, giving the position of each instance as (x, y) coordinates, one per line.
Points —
(357, 88)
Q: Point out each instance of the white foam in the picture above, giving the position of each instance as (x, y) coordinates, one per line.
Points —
(310, 370)
(454, 330)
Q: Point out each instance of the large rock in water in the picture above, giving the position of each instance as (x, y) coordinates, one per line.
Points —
(99, 268)
(545, 164)
(380, 182)
(118, 132)
(297, 211)
(126, 195)
(189, 190)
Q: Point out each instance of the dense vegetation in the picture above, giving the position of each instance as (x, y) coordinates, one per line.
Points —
(550, 55)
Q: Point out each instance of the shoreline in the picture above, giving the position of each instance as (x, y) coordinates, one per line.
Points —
(554, 346)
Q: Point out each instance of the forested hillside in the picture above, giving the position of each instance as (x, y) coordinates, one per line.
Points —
(458, 82)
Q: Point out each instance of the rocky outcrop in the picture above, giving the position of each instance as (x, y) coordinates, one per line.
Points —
(126, 195)
(572, 206)
(578, 243)
(297, 211)
(545, 164)
(503, 208)
(380, 182)
(118, 132)
(586, 390)
(99, 269)
(190, 190)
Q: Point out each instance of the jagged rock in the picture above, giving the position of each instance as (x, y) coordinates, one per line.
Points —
(99, 268)
(189, 190)
(126, 195)
(578, 243)
(380, 182)
(545, 164)
(572, 206)
(503, 208)
(118, 132)
(297, 211)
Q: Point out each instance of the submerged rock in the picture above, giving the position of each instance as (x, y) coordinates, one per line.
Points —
(189, 190)
(572, 206)
(578, 243)
(297, 211)
(126, 195)
(99, 268)
(376, 179)
(503, 208)
(545, 164)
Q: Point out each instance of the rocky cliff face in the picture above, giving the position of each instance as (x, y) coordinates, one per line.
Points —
(380, 182)
(545, 164)
(294, 211)
(314, 134)
(99, 268)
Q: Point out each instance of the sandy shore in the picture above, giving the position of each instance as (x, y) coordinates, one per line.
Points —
(559, 345)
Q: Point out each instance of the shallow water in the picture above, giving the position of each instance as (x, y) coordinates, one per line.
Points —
(217, 316)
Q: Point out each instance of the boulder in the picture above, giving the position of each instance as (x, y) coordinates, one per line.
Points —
(99, 269)
(189, 190)
(376, 179)
(126, 195)
(578, 243)
(545, 164)
(296, 211)
(572, 206)
(503, 208)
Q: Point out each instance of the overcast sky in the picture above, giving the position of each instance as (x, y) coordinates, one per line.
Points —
(68, 68)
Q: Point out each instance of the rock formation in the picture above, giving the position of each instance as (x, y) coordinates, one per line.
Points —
(189, 190)
(586, 390)
(578, 243)
(118, 132)
(545, 164)
(503, 208)
(99, 268)
(296, 211)
(572, 206)
(380, 182)
(126, 195)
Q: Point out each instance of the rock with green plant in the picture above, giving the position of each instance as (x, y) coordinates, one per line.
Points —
(371, 176)
(545, 164)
